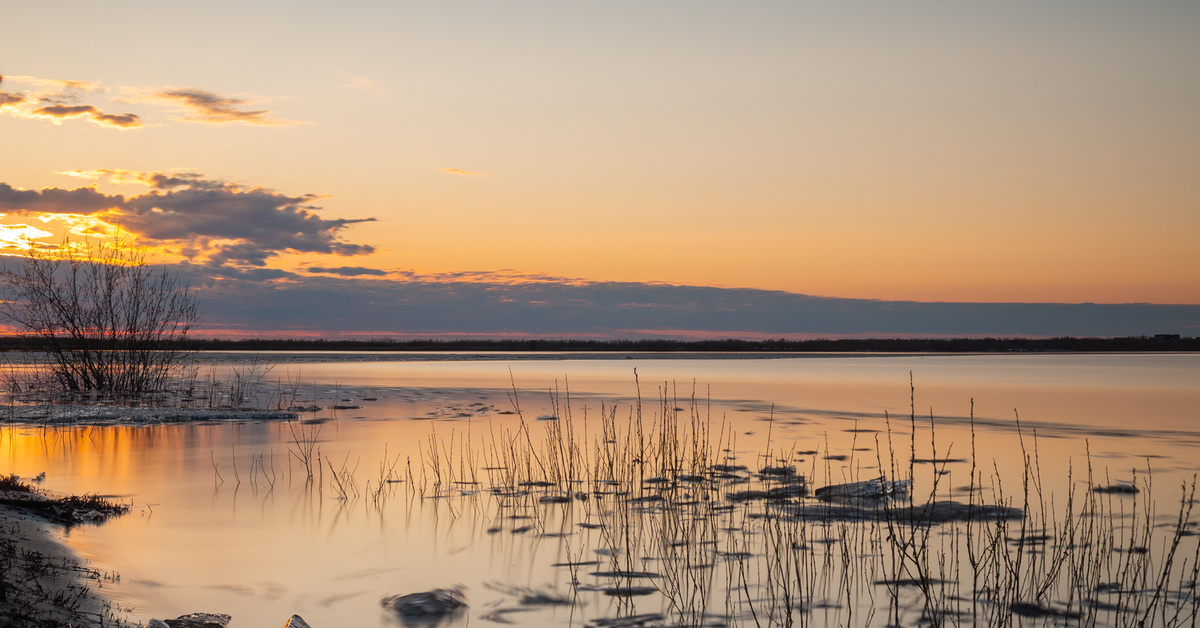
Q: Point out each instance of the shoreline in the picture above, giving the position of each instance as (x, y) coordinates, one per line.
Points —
(44, 582)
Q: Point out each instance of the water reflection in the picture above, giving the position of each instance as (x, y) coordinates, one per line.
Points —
(228, 520)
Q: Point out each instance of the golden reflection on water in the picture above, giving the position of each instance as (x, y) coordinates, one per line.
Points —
(225, 519)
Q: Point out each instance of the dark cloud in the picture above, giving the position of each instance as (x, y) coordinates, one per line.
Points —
(66, 111)
(56, 201)
(211, 108)
(374, 307)
(348, 271)
(226, 222)
(262, 222)
(62, 112)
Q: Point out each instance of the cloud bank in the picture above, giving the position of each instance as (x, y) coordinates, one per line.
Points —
(345, 306)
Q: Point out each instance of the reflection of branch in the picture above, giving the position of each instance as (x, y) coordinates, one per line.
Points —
(217, 471)
(343, 479)
(305, 442)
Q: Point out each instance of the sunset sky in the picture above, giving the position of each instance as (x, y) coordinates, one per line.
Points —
(900, 151)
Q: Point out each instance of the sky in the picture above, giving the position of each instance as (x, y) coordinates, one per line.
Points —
(1018, 152)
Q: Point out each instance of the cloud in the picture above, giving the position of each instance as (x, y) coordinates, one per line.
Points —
(365, 84)
(436, 308)
(56, 201)
(9, 100)
(57, 88)
(347, 271)
(58, 113)
(209, 108)
(261, 223)
(58, 100)
(15, 237)
(157, 180)
(123, 120)
(223, 223)
(464, 173)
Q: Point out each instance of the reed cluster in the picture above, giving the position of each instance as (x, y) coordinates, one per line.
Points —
(666, 512)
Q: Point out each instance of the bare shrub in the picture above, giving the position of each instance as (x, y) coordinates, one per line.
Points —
(106, 319)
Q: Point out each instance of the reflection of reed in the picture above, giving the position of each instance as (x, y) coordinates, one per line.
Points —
(304, 447)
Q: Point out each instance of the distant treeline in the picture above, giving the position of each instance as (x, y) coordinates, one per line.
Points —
(881, 345)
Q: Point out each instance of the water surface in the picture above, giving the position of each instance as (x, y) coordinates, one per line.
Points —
(225, 519)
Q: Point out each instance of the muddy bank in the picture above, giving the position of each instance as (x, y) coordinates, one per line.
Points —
(42, 583)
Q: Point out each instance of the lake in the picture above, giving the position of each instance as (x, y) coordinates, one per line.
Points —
(414, 479)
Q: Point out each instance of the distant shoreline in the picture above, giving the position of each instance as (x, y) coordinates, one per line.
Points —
(1134, 344)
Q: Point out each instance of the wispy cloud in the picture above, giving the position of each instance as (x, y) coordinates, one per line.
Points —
(58, 100)
(364, 84)
(219, 222)
(156, 180)
(206, 107)
(58, 113)
(465, 173)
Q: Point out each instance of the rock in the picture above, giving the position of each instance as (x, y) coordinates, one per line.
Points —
(1117, 489)
(728, 468)
(429, 604)
(1025, 609)
(626, 574)
(631, 621)
(923, 514)
(784, 471)
(785, 492)
(879, 487)
(157, 623)
(629, 591)
(296, 622)
(200, 620)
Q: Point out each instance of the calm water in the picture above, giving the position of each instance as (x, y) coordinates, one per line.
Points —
(224, 520)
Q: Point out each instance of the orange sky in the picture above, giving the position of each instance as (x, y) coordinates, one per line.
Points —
(930, 151)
